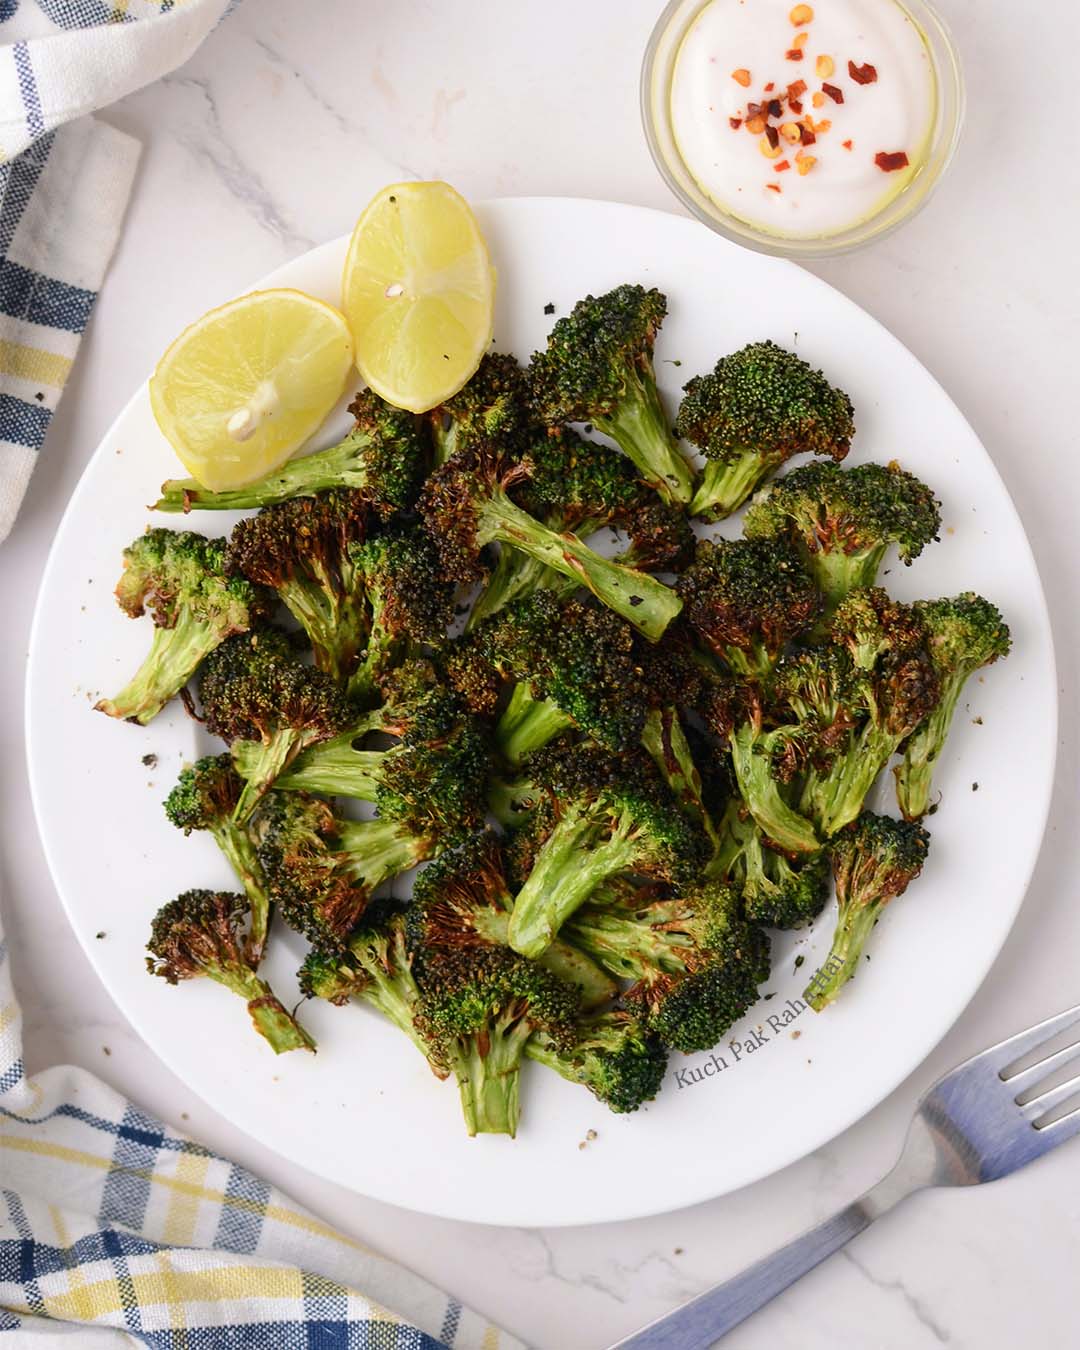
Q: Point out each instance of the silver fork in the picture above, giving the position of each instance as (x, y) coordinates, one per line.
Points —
(982, 1121)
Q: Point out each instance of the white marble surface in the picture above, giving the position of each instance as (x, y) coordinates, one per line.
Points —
(271, 140)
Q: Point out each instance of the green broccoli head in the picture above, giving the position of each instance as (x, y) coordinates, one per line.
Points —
(613, 1055)
(869, 623)
(205, 794)
(661, 538)
(183, 580)
(843, 521)
(202, 933)
(436, 788)
(746, 599)
(493, 406)
(598, 368)
(455, 897)
(577, 484)
(778, 893)
(758, 408)
(874, 860)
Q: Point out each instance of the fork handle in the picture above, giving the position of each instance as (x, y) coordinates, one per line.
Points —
(697, 1324)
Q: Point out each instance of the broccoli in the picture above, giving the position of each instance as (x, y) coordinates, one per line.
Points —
(963, 634)
(777, 892)
(874, 860)
(204, 798)
(843, 521)
(758, 408)
(598, 368)
(572, 485)
(609, 816)
(463, 899)
(869, 623)
(746, 599)
(467, 505)
(201, 933)
(383, 456)
(478, 1007)
(183, 580)
(493, 406)
(375, 966)
(302, 549)
(410, 602)
(660, 538)
(613, 1055)
(322, 870)
(267, 706)
(695, 962)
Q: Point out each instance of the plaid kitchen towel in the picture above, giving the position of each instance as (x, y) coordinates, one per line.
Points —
(64, 183)
(117, 1231)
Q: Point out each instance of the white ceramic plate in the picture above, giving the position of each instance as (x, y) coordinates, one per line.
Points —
(366, 1111)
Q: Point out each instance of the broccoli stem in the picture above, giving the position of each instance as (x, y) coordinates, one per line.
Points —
(510, 800)
(665, 740)
(790, 831)
(561, 959)
(337, 632)
(639, 427)
(174, 656)
(393, 994)
(565, 873)
(726, 484)
(380, 849)
(837, 572)
(514, 576)
(835, 798)
(336, 466)
(640, 599)
(488, 1071)
(240, 852)
(854, 925)
(261, 763)
(332, 769)
(631, 950)
(272, 1022)
(527, 724)
(915, 772)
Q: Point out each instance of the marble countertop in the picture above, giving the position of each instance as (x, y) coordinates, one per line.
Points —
(271, 140)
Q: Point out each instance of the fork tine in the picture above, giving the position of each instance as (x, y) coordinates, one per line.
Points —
(1061, 1129)
(1027, 1078)
(1002, 1055)
(1046, 1101)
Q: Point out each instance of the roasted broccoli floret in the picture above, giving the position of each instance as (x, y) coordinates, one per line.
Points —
(609, 816)
(383, 457)
(409, 600)
(695, 962)
(751, 414)
(843, 521)
(962, 635)
(874, 860)
(182, 579)
(869, 623)
(598, 368)
(302, 550)
(267, 706)
(660, 538)
(746, 600)
(375, 966)
(493, 406)
(777, 892)
(202, 933)
(467, 504)
(613, 1055)
(478, 1007)
(463, 899)
(205, 797)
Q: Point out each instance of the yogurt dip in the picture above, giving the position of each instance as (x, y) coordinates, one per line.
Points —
(803, 120)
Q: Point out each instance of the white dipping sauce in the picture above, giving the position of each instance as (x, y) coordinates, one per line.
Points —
(736, 49)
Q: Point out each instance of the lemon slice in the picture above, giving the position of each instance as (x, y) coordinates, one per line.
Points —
(419, 294)
(244, 387)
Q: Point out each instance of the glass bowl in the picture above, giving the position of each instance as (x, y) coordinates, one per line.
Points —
(658, 71)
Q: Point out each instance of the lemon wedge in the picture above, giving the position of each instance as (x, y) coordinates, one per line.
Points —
(419, 294)
(244, 387)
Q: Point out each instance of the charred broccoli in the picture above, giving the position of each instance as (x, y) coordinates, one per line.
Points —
(613, 1055)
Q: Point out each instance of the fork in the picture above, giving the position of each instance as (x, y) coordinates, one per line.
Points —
(983, 1121)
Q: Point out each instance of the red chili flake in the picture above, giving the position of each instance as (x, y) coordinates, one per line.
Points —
(781, 165)
(755, 110)
(796, 89)
(806, 135)
(888, 162)
(773, 187)
(864, 74)
(770, 87)
(794, 54)
(735, 123)
(775, 107)
(837, 95)
(773, 137)
(795, 105)
(846, 145)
